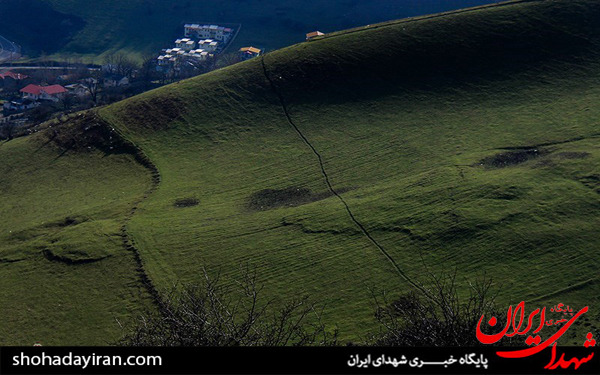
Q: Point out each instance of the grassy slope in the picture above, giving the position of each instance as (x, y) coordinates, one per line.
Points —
(402, 114)
(71, 204)
(141, 27)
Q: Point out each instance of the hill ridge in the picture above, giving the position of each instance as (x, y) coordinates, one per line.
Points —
(422, 18)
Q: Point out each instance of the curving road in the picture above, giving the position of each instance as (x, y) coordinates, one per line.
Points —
(8, 50)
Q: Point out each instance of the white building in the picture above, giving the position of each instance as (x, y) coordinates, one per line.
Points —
(219, 33)
(164, 60)
(208, 45)
(185, 44)
(175, 51)
(199, 54)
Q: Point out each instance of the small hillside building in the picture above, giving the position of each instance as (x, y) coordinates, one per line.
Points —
(19, 105)
(313, 34)
(247, 53)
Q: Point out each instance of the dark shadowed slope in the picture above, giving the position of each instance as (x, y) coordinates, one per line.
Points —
(389, 136)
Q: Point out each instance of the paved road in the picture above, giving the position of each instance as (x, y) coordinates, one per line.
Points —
(42, 67)
(8, 50)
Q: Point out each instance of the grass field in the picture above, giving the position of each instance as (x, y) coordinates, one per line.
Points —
(65, 276)
(467, 141)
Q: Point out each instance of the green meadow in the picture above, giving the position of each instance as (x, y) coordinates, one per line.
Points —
(65, 276)
(363, 160)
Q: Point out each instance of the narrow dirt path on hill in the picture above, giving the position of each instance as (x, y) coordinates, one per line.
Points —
(327, 180)
(128, 241)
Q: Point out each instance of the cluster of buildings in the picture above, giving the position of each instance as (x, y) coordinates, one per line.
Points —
(218, 33)
(187, 48)
(32, 95)
(201, 42)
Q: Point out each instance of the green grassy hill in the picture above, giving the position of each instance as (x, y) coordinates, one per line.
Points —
(65, 272)
(360, 160)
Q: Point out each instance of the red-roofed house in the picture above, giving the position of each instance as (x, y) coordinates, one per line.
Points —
(13, 75)
(36, 92)
(10, 79)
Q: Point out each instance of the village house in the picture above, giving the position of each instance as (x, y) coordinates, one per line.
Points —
(209, 45)
(174, 51)
(247, 53)
(313, 34)
(115, 80)
(35, 92)
(219, 33)
(198, 54)
(19, 105)
(185, 44)
(166, 60)
(77, 89)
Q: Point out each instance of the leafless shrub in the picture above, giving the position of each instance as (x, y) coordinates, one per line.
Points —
(211, 314)
(436, 315)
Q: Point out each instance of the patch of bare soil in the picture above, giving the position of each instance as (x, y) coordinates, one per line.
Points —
(69, 220)
(268, 199)
(83, 132)
(186, 202)
(66, 222)
(73, 258)
(510, 158)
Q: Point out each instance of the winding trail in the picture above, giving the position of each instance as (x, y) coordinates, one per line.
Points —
(128, 241)
(362, 228)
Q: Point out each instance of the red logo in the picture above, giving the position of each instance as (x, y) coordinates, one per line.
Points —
(517, 324)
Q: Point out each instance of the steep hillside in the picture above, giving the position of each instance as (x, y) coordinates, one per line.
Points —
(364, 158)
(358, 161)
(67, 273)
